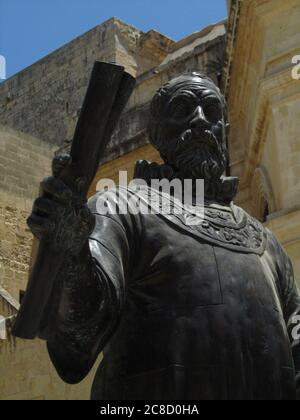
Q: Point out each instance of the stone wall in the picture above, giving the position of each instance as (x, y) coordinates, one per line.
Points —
(24, 161)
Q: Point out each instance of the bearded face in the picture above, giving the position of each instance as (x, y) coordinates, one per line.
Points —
(189, 129)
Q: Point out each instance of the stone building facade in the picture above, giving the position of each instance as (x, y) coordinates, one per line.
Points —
(39, 108)
(264, 104)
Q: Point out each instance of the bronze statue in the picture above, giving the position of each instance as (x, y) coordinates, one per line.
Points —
(181, 311)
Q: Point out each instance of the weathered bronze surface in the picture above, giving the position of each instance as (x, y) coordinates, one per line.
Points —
(181, 311)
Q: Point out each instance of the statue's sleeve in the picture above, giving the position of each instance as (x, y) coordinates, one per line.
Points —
(93, 296)
(291, 306)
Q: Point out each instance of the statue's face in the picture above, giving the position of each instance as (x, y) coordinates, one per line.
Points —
(191, 132)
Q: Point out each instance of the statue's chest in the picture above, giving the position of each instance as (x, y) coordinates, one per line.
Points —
(185, 270)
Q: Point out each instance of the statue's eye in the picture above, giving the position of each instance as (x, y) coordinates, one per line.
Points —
(180, 110)
(212, 112)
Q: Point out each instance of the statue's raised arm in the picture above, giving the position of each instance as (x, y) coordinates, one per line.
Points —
(108, 92)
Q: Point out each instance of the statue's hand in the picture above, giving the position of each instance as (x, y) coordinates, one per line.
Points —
(61, 216)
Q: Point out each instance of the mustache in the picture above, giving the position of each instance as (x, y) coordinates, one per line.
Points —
(191, 141)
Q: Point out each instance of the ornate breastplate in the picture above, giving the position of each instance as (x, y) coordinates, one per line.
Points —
(228, 227)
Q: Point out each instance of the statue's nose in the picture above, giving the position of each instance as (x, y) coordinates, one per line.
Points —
(199, 121)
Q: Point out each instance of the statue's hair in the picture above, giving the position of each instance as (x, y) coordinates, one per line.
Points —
(157, 108)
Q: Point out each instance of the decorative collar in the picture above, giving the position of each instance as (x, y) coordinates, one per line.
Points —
(221, 191)
(228, 227)
(224, 224)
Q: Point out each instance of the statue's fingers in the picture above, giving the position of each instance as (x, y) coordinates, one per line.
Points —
(38, 225)
(59, 163)
(57, 189)
(44, 206)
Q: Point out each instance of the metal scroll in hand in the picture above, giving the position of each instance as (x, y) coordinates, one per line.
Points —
(108, 92)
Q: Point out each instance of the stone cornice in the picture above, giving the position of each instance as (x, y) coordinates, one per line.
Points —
(232, 25)
(147, 76)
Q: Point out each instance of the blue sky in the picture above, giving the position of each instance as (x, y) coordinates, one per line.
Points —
(31, 29)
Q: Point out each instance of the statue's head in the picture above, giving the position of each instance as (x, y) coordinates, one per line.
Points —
(188, 126)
